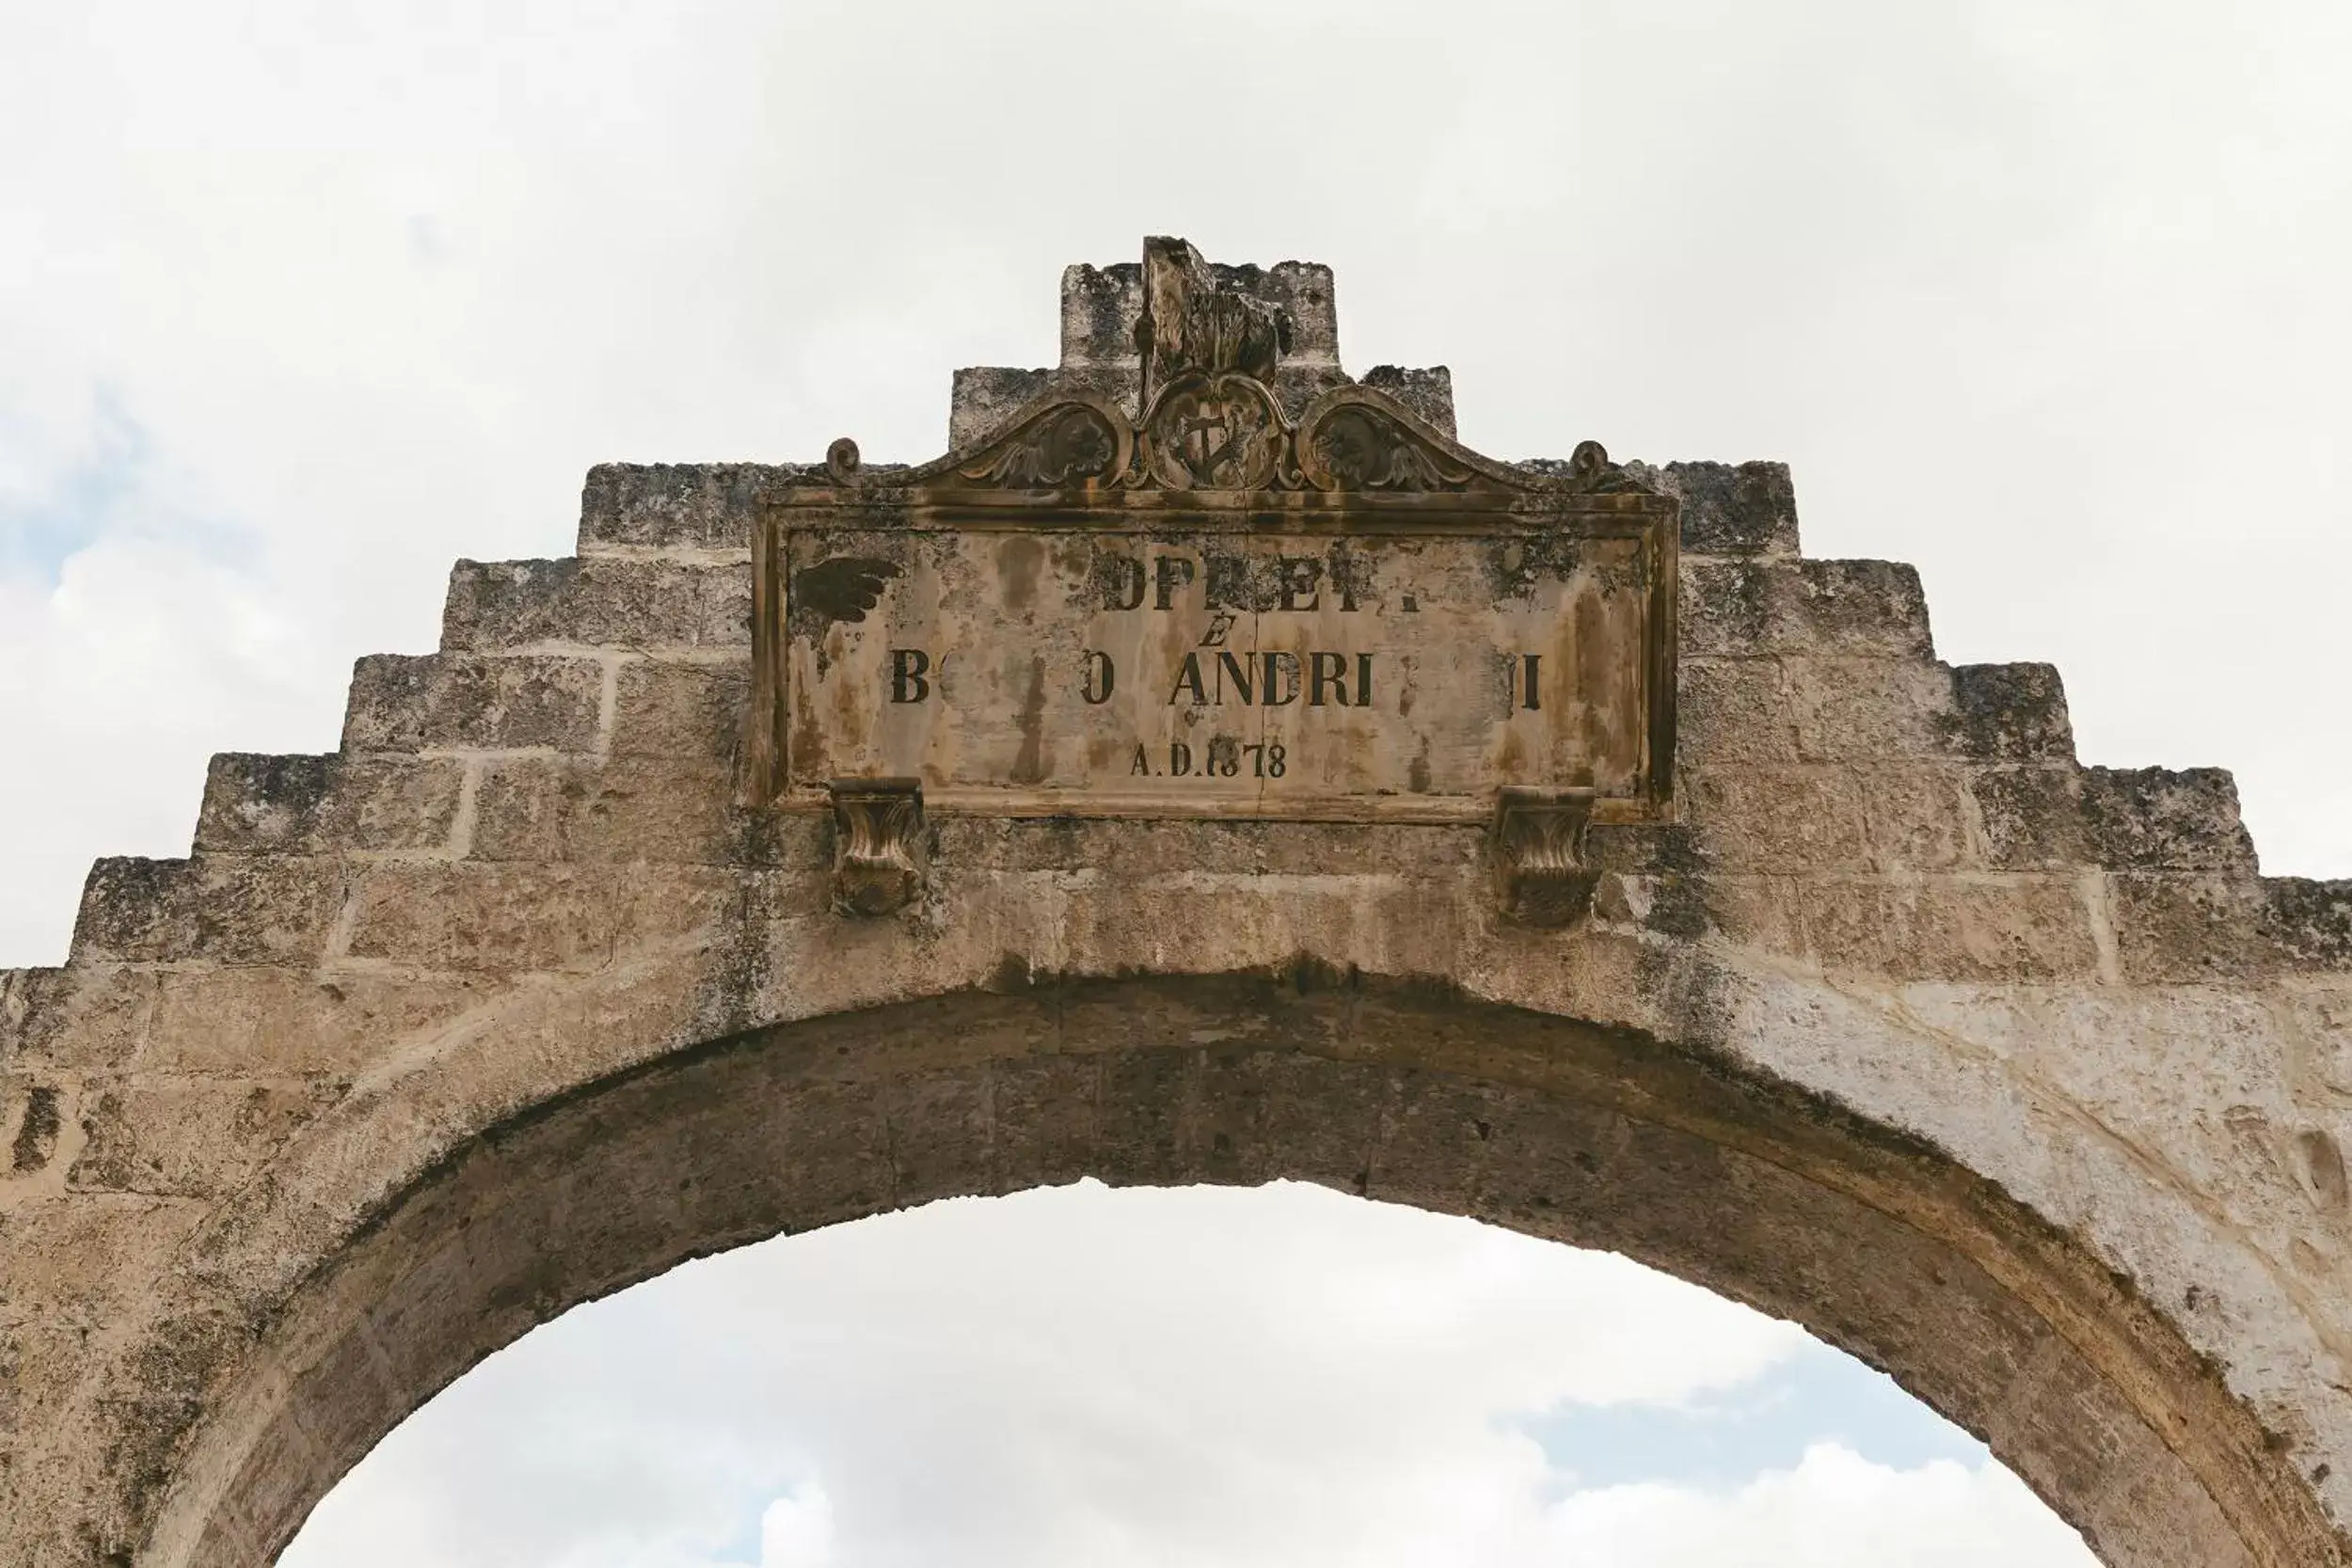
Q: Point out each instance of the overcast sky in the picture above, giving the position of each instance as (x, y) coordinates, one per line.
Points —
(299, 304)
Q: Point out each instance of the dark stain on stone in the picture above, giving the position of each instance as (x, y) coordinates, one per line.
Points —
(2323, 1165)
(37, 1134)
(1029, 766)
(1012, 974)
(1018, 563)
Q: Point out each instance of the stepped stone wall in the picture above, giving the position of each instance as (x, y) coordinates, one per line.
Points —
(2010, 1074)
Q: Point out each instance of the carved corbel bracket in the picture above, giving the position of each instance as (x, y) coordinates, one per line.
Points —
(878, 855)
(1540, 874)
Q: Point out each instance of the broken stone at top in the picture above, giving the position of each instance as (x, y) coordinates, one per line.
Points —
(1192, 323)
(1127, 329)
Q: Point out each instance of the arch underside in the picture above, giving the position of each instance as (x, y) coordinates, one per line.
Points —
(1594, 1137)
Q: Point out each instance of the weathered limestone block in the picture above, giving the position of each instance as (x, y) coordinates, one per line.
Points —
(496, 607)
(228, 909)
(2014, 928)
(2309, 922)
(169, 1136)
(1856, 608)
(83, 1262)
(2156, 819)
(31, 1121)
(2319, 1011)
(1426, 389)
(679, 506)
(1732, 711)
(1885, 708)
(414, 703)
(1729, 509)
(623, 810)
(307, 805)
(2188, 927)
(91, 1015)
(470, 916)
(295, 1022)
(983, 397)
(688, 712)
(2128, 820)
(2010, 712)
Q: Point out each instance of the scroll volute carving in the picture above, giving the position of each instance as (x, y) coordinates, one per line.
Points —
(1074, 442)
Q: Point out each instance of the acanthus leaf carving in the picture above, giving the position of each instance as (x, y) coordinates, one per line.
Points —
(1355, 440)
(1064, 443)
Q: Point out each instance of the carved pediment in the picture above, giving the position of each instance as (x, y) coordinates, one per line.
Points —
(1213, 420)
(1224, 430)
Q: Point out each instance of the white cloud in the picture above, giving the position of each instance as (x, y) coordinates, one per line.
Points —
(1834, 1510)
(1078, 1376)
(797, 1531)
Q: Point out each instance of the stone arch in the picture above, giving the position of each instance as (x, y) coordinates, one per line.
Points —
(1584, 1134)
(2048, 1018)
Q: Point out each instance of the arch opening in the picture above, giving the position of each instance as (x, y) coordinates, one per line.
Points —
(1598, 1138)
(1278, 1375)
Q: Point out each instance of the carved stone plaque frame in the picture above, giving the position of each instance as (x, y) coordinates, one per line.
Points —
(1216, 483)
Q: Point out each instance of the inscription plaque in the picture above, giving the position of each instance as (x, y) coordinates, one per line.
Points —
(1043, 663)
(1218, 609)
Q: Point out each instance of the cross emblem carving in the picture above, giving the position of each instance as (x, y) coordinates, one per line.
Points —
(1202, 455)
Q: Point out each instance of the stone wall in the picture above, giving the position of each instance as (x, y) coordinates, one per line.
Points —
(2010, 1074)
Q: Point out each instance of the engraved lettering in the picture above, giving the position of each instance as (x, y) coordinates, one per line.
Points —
(1531, 694)
(1348, 574)
(908, 669)
(1236, 670)
(1363, 680)
(1120, 580)
(1140, 765)
(1220, 624)
(1171, 573)
(1179, 759)
(1297, 576)
(1286, 665)
(1327, 671)
(1100, 677)
(1189, 679)
(1228, 582)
